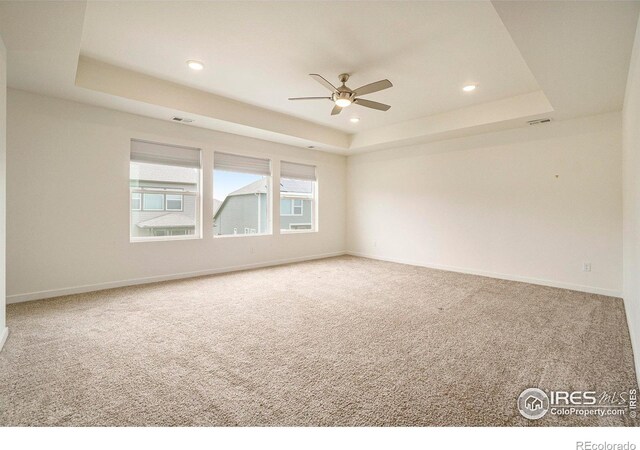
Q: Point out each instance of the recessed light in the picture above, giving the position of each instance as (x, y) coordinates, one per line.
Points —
(469, 87)
(195, 65)
(354, 120)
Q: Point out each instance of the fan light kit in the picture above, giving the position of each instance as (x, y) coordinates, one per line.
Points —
(343, 102)
(195, 65)
(343, 96)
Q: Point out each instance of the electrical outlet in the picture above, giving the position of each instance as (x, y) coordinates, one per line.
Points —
(586, 267)
(251, 250)
(375, 244)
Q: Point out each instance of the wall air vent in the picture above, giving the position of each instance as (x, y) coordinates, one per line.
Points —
(181, 119)
(539, 121)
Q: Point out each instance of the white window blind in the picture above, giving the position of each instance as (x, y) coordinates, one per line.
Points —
(297, 171)
(244, 164)
(173, 155)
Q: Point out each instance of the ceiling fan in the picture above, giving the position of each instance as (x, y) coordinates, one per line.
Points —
(343, 96)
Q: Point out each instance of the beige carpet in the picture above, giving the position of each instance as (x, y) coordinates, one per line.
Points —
(340, 341)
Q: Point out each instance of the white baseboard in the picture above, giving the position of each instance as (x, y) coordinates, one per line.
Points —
(17, 298)
(500, 276)
(3, 337)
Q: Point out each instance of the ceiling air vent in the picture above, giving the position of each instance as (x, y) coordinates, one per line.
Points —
(181, 119)
(539, 121)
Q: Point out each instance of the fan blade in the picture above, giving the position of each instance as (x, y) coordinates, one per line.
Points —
(323, 82)
(370, 104)
(310, 98)
(336, 110)
(373, 87)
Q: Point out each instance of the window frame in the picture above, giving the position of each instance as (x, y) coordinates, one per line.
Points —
(269, 230)
(202, 224)
(197, 229)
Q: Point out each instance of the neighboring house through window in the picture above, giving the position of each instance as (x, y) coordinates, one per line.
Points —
(242, 192)
(165, 195)
(297, 197)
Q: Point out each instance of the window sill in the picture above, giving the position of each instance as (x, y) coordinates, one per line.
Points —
(163, 238)
(224, 236)
(297, 231)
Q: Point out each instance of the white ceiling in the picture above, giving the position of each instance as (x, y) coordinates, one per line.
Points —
(262, 52)
(558, 59)
(579, 51)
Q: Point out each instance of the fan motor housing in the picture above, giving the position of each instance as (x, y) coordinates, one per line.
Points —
(342, 94)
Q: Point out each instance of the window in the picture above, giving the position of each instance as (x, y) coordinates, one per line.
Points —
(136, 202)
(173, 202)
(165, 191)
(241, 195)
(157, 202)
(153, 202)
(291, 207)
(297, 197)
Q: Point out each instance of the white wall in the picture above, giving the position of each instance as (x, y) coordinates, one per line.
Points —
(68, 200)
(491, 204)
(3, 177)
(488, 204)
(631, 195)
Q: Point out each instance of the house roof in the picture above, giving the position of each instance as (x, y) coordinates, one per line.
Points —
(216, 206)
(257, 187)
(170, 220)
(295, 186)
(286, 185)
